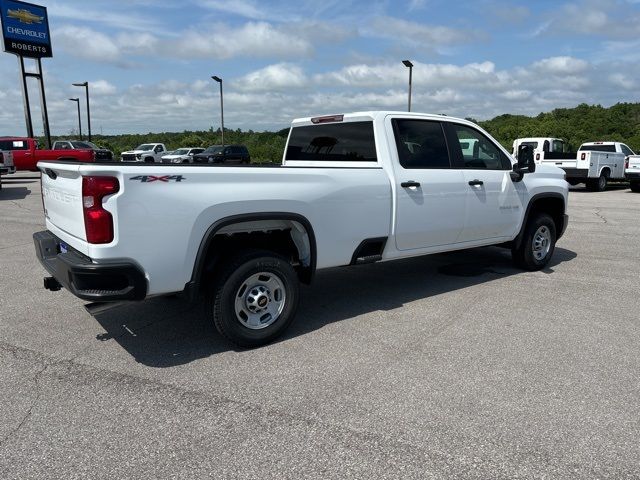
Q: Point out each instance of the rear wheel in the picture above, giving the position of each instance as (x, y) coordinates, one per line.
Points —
(538, 243)
(635, 187)
(599, 184)
(254, 299)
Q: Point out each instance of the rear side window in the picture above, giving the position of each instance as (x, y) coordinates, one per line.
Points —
(478, 152)
(557, 146)
(13, 145)
(421, 144)
(598, 148)
(341, 142)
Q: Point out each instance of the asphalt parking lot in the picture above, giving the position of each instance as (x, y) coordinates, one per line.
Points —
(450, 366)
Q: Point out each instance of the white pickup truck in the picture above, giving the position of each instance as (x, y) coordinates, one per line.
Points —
(146, 153)
(6, 164)
(540, 146)
(349, 191)
(595, 163)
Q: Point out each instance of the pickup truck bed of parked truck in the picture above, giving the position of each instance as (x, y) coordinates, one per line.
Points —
(595, 163)
(350, 191)
(27, 153)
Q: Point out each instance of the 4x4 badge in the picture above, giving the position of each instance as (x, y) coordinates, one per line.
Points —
(154, 178)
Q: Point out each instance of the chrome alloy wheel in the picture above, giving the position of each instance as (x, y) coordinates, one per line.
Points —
(260, 300)
(541, 243)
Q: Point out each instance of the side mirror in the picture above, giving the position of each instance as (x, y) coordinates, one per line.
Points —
(526, 164)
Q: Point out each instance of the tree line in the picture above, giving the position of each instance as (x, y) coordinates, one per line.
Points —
(584, 123)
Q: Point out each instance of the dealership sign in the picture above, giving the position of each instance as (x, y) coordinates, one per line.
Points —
(25, 29)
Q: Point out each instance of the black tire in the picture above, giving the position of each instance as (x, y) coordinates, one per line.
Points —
(599, 184)
(635, 187)
(573, 183)
(223, 292)
(149, 160)
(524, 256)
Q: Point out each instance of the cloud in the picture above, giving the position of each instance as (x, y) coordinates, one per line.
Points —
(102, 87)
(83, 42)
(253, 39)
(279, 77)
(419, 34)
(601, 18)
(623, 81)
(561, 66)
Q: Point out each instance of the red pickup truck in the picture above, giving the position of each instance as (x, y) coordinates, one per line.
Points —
(26, 153)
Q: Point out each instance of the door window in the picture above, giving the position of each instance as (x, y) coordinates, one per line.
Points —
(421, 144)
(478, 152)
(626, 150)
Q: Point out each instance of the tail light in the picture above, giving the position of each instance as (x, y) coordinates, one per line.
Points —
(626, 163)
(98, 222)
(583, 156)
(537, 156)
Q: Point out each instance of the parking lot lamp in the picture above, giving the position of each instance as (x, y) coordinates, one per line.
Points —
(409, 65)
(219, 80)
(86, 86)
(77, 100)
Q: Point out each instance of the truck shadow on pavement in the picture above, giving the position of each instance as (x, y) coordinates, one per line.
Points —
(13, 193)
(166, 332)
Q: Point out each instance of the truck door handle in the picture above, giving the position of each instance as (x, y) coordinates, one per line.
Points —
(475, 182)
(410, 184)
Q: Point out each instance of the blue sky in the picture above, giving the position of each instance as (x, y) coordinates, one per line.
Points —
(149, 62)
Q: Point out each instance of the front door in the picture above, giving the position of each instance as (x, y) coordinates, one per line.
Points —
(493, 206)
(431, 195)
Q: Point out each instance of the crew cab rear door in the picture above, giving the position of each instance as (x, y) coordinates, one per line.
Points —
(430, 204)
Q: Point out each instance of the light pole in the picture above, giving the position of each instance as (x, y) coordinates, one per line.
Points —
(86, 86)
(409, 65)
(219, 80)
(77, 100)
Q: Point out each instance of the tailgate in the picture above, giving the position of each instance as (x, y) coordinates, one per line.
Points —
(561, 163)
(62, 197)
(634, 163)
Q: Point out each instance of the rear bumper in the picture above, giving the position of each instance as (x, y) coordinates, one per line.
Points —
(576, 172)
(87, 279)
(632, 175)
(4, 170)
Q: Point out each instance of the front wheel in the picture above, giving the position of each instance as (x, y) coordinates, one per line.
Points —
(537, 245)
(254, 299)
(635, 187)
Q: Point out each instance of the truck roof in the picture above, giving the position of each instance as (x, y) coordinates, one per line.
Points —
(369, 115)
(603, 143)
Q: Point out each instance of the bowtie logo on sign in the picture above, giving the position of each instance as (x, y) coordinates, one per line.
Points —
(24, 16)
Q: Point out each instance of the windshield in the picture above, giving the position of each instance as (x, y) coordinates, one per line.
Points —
(181, 151)
(598, 148)
(145, 147)
(88, 145)
(214, 149)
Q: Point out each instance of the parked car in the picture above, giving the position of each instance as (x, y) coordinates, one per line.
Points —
(27, 153)
(243, 237)
(182, 155)
(102, 154)
(595, 163)
(224, 154)
(6, 165)
(147, 153)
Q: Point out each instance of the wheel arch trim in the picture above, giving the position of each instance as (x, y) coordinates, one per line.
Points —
(207, 239)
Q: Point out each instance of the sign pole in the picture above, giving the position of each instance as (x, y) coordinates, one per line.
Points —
(25, 97)
(43, 106)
